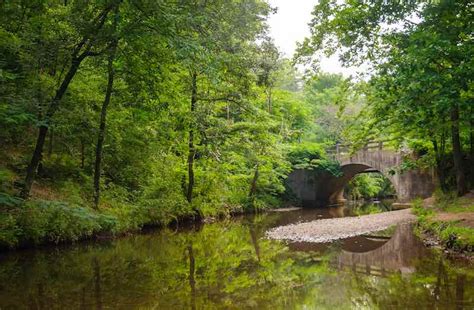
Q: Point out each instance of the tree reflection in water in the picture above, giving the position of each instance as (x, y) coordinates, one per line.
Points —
(231, 265)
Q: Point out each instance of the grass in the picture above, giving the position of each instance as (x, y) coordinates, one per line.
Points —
(452, 234)
(460, 205)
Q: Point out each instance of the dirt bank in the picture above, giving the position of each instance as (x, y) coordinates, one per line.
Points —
(339, 228)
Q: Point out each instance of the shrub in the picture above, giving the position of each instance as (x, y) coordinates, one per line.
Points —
(452, 235)
(9, 231)
(58, 222)
(312, 156)
(61, 166)
(6, 179)
(37, 222)
(8, 201)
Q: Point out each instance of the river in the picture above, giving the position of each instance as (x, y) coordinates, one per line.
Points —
(231, 265)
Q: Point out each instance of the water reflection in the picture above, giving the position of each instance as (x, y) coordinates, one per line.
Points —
(399, 253)
(354, 208)
(230, 265)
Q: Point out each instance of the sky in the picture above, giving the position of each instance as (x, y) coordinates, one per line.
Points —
(290, 25)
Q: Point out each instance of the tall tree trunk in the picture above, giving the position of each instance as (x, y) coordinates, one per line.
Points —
(103, 120)
(254, 238)
(192, 150)
(253, 186)
(269, 100)
(457, 151)
(77, 58)
(43, 129)
(439, 166)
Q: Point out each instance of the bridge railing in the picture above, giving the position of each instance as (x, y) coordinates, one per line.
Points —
(346, 149)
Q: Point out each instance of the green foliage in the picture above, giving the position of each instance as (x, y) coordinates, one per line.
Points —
(199, 90)
(303, 154)
(246, 109)
(61, 166)
(9, 230)
(333, 101)
(37, 222)
(452, 234)
(387, 232)
(364, 186)
(371, 209)
(420, 89)
(6, 179)
(369, 185)
(312, 156)
(13, 118)
(7, 200)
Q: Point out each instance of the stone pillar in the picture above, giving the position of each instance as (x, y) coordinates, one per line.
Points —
(414, 184)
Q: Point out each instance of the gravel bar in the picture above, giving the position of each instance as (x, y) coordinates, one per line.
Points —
(326, 230)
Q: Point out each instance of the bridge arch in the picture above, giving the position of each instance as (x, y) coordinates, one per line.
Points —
(349, 171)
(314, 188)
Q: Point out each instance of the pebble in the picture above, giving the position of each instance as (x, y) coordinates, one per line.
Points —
(326, 230)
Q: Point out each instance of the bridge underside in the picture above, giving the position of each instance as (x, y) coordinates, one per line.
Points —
(316, 189)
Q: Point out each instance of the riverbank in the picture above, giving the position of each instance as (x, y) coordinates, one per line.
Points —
(60, 207)
(448, 222)
(36, 222)
(325, 230)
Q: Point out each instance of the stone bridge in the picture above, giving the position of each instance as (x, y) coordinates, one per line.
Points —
(315, 188)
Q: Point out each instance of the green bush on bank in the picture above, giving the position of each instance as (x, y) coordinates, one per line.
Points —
(450, 233)
(38, 222)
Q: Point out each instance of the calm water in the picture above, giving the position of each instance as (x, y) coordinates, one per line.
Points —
(230, 265)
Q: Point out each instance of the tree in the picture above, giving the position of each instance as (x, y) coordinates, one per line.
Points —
(216, 36)
(268, 65)
(103, 114)
(90, 44)
(421, 67)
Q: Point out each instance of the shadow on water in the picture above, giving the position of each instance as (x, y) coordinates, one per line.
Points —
(231, 265)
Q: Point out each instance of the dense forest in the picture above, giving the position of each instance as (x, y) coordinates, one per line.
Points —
(117, 114)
